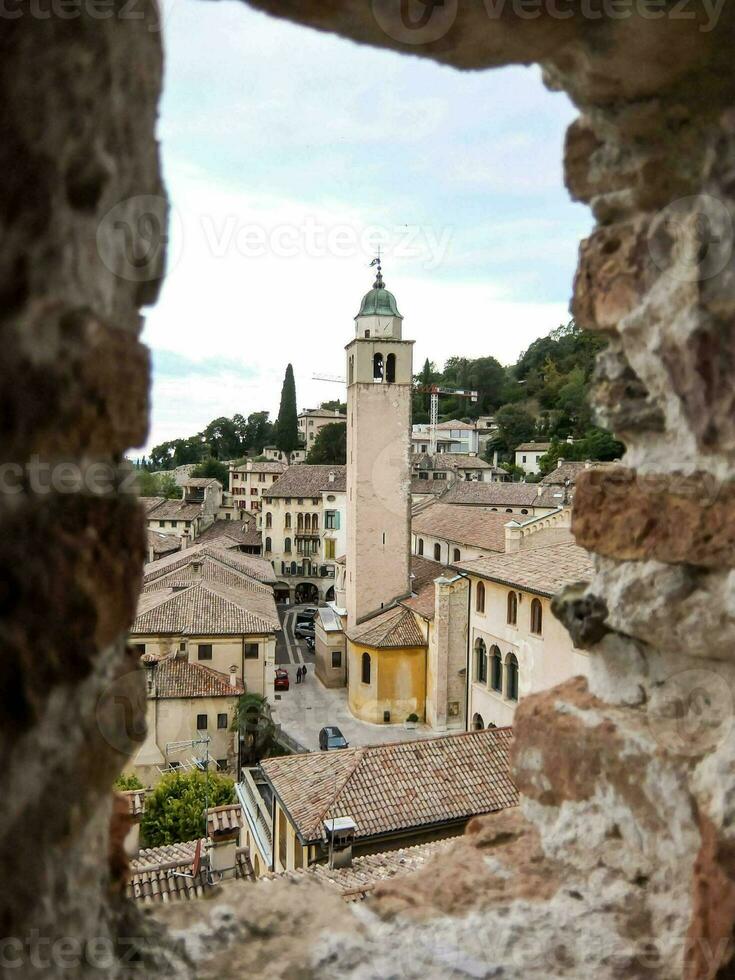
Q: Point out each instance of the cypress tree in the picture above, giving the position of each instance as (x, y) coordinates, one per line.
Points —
(287, 426)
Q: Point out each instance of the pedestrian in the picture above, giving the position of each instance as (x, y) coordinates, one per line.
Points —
(298, 675)
(303, 673)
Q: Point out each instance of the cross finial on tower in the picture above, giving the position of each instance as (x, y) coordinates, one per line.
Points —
(378, 284)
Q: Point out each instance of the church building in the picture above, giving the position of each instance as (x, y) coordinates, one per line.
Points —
(386, 650)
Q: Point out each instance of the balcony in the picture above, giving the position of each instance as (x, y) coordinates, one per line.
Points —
(301, 533)
(256, 814)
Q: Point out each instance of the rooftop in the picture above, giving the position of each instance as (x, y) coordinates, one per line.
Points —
(261, 466)
(387, 630)
(177, 677)
(533, 447)
(153, 877)
(200, 481)
(171, 510)
(250, 565)
(472, 492)
(205, 608)
(541, 570)
(322, 413)
(162, 544)
(367, 870)
(240, 532)
(463, 525)
(405, 785)
(450, 461)
(307, 480)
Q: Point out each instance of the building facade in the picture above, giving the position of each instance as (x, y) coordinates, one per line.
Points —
(251, 479)
(528, 454)
(312, 420)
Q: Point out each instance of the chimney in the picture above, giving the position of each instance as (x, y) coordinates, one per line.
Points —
(340, 834)
(560, 462)
(539, 489)
(196, 567)
(233, 676)
(331, 476)
(150, 663)
(495, 459)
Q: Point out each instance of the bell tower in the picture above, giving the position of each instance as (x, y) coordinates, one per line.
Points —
(379, 385)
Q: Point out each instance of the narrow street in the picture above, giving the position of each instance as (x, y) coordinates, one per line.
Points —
(307, 707)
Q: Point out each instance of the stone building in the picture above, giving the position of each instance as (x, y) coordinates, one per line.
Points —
(528, 454)
(302, 529)
(516, 645)
(330, 807)
(311, 421)
(250, 479)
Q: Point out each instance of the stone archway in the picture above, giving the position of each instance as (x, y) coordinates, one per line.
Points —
(306, 592)
(477, 722)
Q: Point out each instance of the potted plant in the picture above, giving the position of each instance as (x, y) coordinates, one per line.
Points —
(411, 721)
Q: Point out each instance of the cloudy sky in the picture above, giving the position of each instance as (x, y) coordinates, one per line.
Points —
(288, 154)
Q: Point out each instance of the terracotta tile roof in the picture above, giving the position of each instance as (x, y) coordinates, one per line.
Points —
(460, 461)
(456, 424)
(473, 492)
(533, 447)
(423, 603)
(224, 820)
(463, 525)
(176, 677)
(152, 880)
(322, 413)
(174, 510)
(251, 565)
(435, 487)
(206, 609)
(541, 570)
(262, 466)
(149, 503)
(208, 570)
(163, 544)
(570, 470)
(240, 532)
(307, 480)
(392, 629)
(200, 481)
(401, 786)
(367, 870)
(423, 570)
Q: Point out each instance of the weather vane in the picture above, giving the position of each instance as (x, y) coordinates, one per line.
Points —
(378, 284)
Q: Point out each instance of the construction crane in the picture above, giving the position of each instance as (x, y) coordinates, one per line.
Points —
(433, 390)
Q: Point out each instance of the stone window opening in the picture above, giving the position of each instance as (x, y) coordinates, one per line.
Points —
(512, 616)
(480, 598)
(269, 519)
(477, 722)
(456, 555)
(377, 367)
(287, 546)
(511, 677)
(287, 521)
(480, 661)
(390, 369)
(537, 617)
(496, 669)
(437, 552)
(365, 668)
(420, 548)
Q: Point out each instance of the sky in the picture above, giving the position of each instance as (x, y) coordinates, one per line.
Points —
(289, 155)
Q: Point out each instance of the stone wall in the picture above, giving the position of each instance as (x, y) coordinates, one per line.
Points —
(623, 862)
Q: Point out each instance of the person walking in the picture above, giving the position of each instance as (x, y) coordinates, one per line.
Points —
(298, 675)
(303, 673)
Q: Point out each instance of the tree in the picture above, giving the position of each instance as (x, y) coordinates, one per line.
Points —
(127, 780)
(174, 811)
(515, 425)
(213, 469)
(335, 406)
(287, 425)
(255, 728)
(222, 438)
(330, 445)
(157, 485)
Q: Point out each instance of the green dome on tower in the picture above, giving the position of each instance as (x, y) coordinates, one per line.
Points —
(379, 302)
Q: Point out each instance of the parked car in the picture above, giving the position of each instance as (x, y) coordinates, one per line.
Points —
(332, 738)
(281, 681)
(310, 642)
(309, 611)
(304, 629)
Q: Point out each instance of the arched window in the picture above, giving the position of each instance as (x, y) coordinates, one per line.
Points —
(421, 546)
(480, 661)
(352, 369)
(512, 609)
(537, 617)
(288, 520)
(377, 367)
(307, 522)
(366, 668)
(493, 508)
(299, 522)
(496, 669)
(315, 522)
(287, 546)
(524, 510)
(267, 544)
(437, 552)
(508, 510)
(269, 519)
(294, 567)
(390, 368)
(477, 724)
(480, 598)
(367, 333)
(456, 555)
(511, 677)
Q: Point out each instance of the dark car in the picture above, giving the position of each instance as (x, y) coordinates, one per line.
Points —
(281, 681)
(304, 629)
(332, 738)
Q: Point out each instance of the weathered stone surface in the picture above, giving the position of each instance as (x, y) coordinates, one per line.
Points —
(667, 517)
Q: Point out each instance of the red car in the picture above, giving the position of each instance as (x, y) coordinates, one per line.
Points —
(281, 682)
